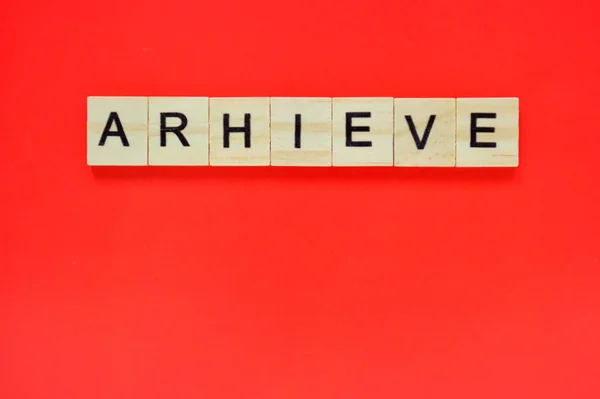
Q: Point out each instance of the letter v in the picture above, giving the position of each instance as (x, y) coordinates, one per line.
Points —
(413, 130)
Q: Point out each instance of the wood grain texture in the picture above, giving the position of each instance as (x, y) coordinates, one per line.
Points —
(195, 132)
(132, 113)
(314, 138)
(412, 116)
(505, 135)
(380, 134)
(259, 152)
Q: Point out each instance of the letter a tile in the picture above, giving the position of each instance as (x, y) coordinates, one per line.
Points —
(117, 131)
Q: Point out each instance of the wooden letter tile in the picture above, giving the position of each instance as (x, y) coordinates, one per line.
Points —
(117, 131)
(487, 132)
(425, 132)
(183, 122)
(240, 131)
(300, 131)
(363, 131)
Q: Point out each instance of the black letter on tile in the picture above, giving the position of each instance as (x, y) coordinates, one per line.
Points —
(413, 131)
(227, 130)
(476, 129)
(173, 129)
(350, 129)
(297, 131)
(113, 117)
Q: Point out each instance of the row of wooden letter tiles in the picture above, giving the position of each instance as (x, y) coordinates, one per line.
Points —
(303, 131)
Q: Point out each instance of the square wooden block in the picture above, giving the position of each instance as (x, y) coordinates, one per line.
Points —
(300, 131)
(178, 131)
(117, 131)
(425, 132)
(487, 132)
(363, 131)
(240, 131)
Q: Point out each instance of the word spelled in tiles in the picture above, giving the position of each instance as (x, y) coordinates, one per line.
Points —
(302, 131)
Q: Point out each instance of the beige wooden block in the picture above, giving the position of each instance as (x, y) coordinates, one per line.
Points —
(487, 132)
(425, 132)
(363, 131)
(300, 131)
(178, 131)
(240, 131)
(117, 131)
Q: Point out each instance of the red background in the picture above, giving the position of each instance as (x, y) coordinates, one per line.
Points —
(299, 283)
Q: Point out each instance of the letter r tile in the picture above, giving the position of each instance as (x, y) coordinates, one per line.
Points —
(178, 131)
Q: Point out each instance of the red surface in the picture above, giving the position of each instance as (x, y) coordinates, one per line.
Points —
(299, 283)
